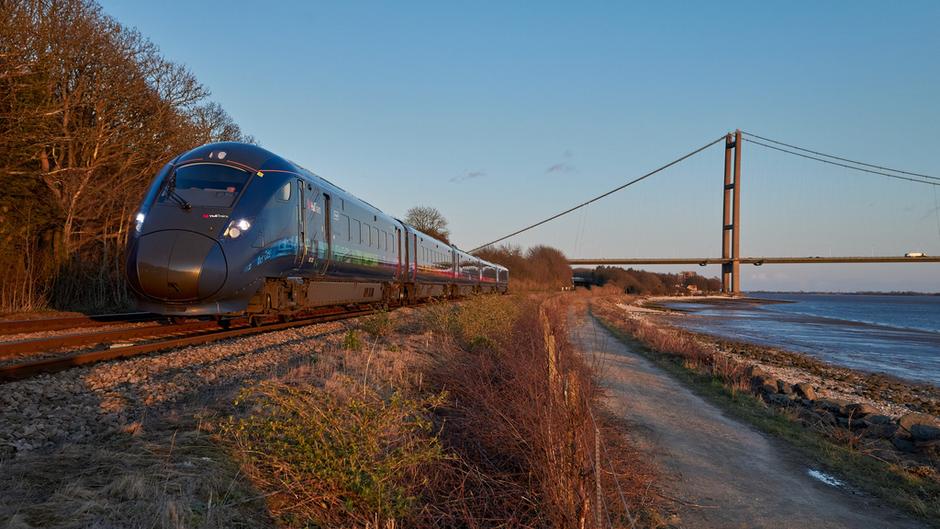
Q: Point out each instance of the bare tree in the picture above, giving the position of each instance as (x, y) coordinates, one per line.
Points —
(430, 221)
(89, 112)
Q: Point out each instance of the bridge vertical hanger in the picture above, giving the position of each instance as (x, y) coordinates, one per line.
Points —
(731, 218)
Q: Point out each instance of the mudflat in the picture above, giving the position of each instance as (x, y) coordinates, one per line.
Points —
(720, 472)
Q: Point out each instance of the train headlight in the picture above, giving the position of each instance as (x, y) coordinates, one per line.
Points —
(237, 227)
(139, 222)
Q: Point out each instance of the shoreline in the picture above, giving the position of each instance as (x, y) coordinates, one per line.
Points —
(715, 326)
(892, 394)
(880, 433)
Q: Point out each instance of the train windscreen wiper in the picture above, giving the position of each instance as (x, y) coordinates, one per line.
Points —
(173, 194)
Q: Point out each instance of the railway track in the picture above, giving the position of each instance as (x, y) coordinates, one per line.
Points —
(48, 344)
(70, 322)
(194, 333)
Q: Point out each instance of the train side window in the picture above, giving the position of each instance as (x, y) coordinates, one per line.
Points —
(375, 237)
(357, 229)
(343, 224)
(283, 194)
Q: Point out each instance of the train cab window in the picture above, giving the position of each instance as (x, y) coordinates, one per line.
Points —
(206, 184)
(283, 194)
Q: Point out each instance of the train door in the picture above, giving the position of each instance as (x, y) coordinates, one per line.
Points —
(414, 244)
(398, 251)
(326, 240)
(314, 248)
(303, 249)
(317, 215)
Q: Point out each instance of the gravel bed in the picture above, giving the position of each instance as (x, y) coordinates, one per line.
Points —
(45, 412)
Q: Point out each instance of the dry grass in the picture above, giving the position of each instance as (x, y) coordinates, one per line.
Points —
(337, 459)
(130, 481)
(679, 345)
(528, 418)
(452, 415)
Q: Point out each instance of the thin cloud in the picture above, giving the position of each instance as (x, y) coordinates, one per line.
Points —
(563, 167)
(468, 176)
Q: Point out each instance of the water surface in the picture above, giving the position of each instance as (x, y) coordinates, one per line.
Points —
(896, 335)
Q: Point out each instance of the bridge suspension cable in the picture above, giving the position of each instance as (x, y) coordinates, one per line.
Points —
(598, 197)
(821, 157)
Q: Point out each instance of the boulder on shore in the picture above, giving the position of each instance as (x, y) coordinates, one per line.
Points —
(925, 432)
(880, 431)
(878, 419)
(769, 387)
(920, 426)
(805, 390)
(834, 406)
(860, 409)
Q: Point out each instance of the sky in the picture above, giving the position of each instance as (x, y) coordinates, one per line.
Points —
(503, 113)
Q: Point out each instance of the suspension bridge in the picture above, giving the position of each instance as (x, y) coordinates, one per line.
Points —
(731, 258)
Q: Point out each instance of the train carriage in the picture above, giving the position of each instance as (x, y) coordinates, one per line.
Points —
(231, 228)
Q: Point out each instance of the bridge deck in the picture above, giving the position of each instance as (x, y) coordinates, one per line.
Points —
(702, 261)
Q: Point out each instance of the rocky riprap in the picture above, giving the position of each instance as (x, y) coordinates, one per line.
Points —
(911, 433)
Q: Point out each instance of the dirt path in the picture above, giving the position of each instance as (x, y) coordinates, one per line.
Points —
(725, 474)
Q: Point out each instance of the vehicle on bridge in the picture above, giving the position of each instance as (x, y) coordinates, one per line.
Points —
(915, 254)
(231, 228)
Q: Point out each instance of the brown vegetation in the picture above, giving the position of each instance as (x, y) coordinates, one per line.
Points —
(471, 415)
(631, 281)
(538, 268)
(89, 112)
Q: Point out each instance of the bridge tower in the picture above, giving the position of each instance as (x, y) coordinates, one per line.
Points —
(731, 217)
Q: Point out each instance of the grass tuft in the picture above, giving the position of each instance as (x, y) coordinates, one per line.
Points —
(331, 460)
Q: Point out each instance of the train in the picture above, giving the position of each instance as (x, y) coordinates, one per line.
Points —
(229, 229)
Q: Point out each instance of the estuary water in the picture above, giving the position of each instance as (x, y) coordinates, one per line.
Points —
(895, 335)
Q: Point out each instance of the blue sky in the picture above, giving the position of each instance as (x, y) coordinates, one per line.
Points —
(502, 113)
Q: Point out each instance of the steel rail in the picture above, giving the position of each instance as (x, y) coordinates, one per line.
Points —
(68, 322)
(60, 363)
(52, 343)
(757, 261)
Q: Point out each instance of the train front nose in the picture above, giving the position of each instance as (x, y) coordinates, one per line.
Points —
(178, 265)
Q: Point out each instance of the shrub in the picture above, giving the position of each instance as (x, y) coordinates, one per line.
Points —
(352, 341)
(376, 325)
(331, 460)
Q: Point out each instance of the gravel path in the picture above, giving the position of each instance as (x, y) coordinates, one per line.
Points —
(723, 474)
